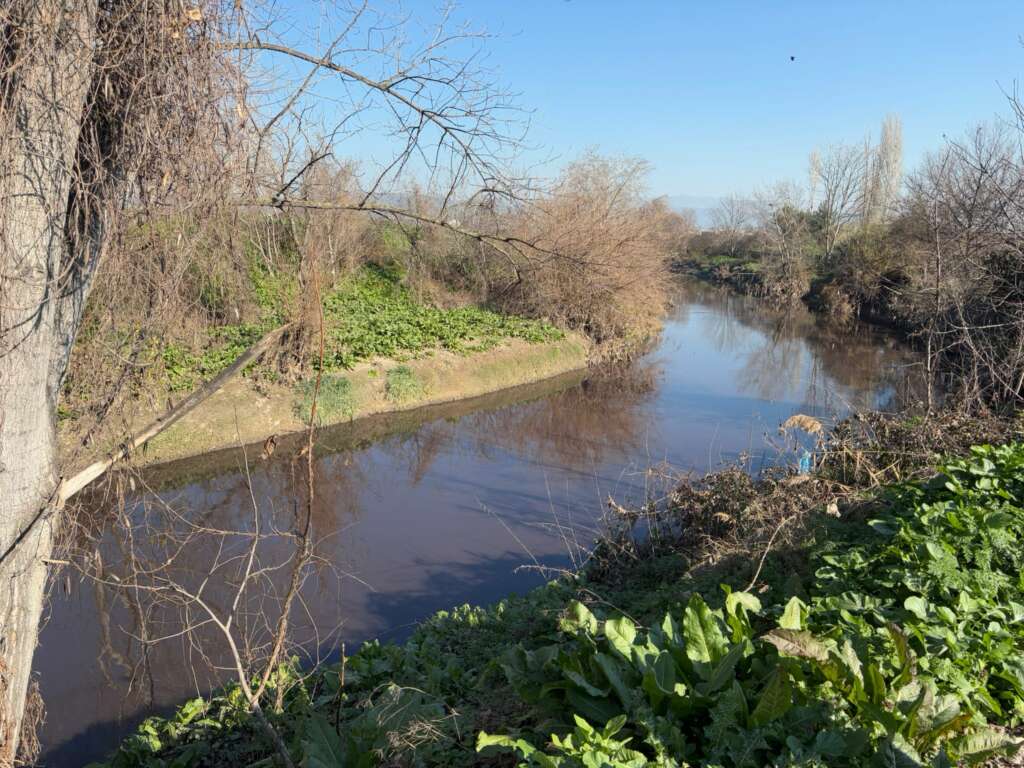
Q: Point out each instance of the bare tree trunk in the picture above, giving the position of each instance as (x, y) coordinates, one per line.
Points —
(39, 311)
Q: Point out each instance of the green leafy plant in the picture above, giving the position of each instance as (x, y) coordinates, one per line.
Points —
(402, 385)
(586, 745)
(906, 650)
(373, 315)
(334, 400)
(706, 687)
(186, 369)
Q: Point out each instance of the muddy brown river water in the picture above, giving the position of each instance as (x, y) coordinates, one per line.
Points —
(424, 510)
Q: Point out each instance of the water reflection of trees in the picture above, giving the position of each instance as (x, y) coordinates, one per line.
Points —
(130, 527)
(583, 426)
(797, 353)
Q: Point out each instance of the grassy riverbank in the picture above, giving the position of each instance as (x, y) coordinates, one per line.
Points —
(384, 350)
(811, 621)
(238, 414)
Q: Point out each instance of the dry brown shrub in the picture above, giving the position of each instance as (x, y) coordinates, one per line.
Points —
(871, 449)
(610, 276)
(724, 515)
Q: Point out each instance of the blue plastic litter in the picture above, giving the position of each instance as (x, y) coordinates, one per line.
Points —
(805, 463)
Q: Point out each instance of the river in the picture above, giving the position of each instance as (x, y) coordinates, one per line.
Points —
(424, 510)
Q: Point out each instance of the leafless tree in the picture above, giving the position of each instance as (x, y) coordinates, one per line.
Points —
(883, 172)
(594, 251)
(783, 223)
(838, 176)
(116, 112)
(732, 220)
(970, 200)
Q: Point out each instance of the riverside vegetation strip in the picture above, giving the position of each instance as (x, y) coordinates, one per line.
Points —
(385, 349)
(896, 642)
(371, 314)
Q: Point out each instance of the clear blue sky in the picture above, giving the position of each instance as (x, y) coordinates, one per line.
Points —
(705, 89)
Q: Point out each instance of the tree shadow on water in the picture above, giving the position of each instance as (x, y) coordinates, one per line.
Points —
(486, 580)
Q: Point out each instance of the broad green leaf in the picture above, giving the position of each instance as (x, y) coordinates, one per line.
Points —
(851, 662)
(614, 725)
(967, 604)
(946, 614)
(897, 752)
(621, 633)
(578, 618)
(999, 520)
(322, 746)
(734, 601)
(583, 725)
(831, 743)
(576, 677)
(724, 671)
(617, 673)
(484, 740)
(660, 678)
(525, 749)
(918, 606)
(737, 604)
(793, 615)
(705, 642)
(671, 630)
(974, 748)
(665, 672)
(190, 710)
(944, 729)
(775, 700)
(598, 710)
(903, 653)
(874, 684)
(909, 699)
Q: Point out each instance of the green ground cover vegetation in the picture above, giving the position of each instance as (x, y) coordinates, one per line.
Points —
(335, 400)
(374, 315)
(369, 314)
(890, 635)
(401, 385)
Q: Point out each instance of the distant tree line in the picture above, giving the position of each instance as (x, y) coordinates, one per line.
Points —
(938, 252)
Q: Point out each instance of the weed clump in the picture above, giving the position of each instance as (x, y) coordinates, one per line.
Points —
(402, 385)
(334, 402)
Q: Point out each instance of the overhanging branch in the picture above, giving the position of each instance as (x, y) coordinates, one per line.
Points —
(72, 485)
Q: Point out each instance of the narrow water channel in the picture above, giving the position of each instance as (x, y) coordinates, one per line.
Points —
(429, 509)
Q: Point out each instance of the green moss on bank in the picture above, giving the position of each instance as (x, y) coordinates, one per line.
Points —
(898, 642)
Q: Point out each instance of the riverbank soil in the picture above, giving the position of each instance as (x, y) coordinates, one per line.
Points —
(238, 414)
